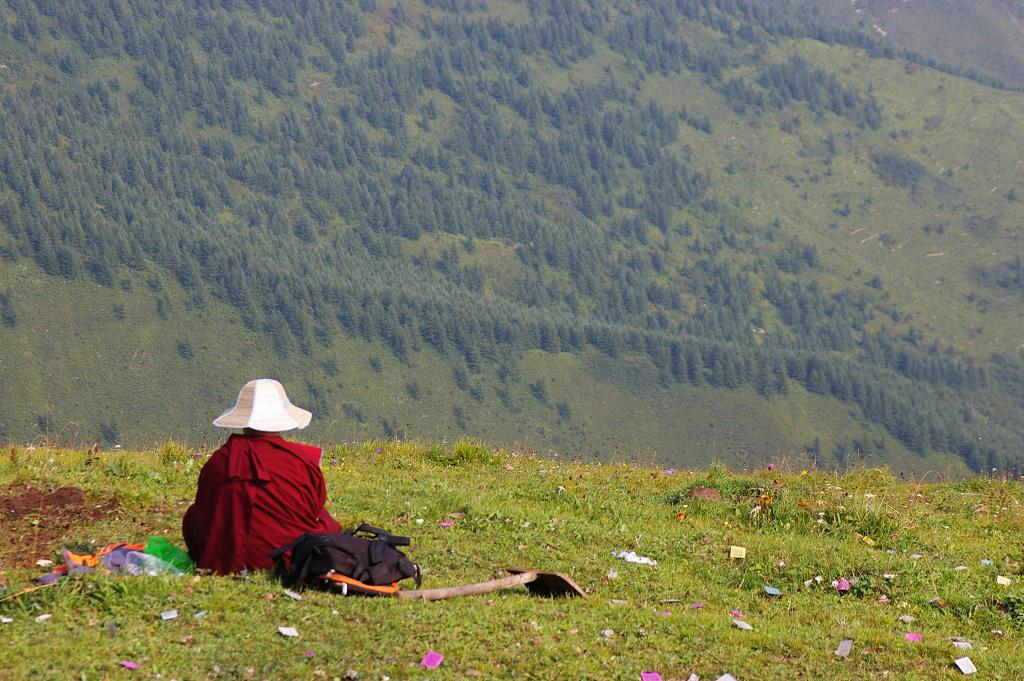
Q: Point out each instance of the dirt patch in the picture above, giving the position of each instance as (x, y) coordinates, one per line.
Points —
(33, 521)
(706, 493)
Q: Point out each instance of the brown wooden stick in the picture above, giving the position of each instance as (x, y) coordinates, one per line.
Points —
(469, 589)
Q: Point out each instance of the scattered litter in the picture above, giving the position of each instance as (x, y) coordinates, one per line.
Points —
(309, 654)
(737, 552)
(1003, 581)
(960, 643)
(44, 617)
(664, 613)
(736, 613)
(960, 568)
(883, 599)
(419, 521)
(842, 585)
(607, 633)
(650, 676)
(965, 665)
(618, 601)
(986, 561)
(937, 602)
(294, 595)
(916, 556)
(44, 562)
(693, 677)
(670, 471)
(632, 557)
(200, 615)
(740, 624)
(912, 636)
(290, 632)
(6, 620)
(906, 619)
(613, 574)
(446, 523)
(456, 515)
(772, 591)
(128, 664)
(889, 575)
(997, 632)
(845, 646)
(186, 640)
(432, 660)
(696, 606)
(730, 677)
(169, 615)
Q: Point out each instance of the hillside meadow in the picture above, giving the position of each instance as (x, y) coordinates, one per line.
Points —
(925, 550)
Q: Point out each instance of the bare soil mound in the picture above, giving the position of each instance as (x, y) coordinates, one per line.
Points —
(33, 521)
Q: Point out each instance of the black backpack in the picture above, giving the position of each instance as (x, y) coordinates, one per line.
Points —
(347, 562)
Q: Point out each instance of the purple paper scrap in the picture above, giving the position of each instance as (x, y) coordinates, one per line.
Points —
(432, 660)
(650, 676)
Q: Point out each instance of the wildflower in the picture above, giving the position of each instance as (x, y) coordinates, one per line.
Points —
(803, 504)
(803, 472)
(680, 515)
(766, 500)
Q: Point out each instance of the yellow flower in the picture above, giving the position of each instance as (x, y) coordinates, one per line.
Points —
(803, 472)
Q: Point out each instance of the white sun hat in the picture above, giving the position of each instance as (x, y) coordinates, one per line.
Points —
(263, 405)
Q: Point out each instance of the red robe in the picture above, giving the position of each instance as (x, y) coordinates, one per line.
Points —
(256, 493)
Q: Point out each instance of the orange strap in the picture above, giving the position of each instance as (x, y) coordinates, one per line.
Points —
(342, 579)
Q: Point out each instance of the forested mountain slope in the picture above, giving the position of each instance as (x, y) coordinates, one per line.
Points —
(685, 229)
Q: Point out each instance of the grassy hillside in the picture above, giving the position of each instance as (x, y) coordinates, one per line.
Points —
(983, 37)
(919, 549)
(669, 231)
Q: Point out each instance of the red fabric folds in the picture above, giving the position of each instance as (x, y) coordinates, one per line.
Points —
(256, 493)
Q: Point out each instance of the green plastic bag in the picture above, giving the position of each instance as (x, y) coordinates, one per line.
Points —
(169, 553)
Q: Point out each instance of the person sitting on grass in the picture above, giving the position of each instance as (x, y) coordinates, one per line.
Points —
(258, 491)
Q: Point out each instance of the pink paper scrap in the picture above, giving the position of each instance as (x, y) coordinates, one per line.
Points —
(843, 585)
(128, 664)
(912, 636)
(696, 606)
(432, 660)
(664, 613)
(736, 613)
(650, 676)
(447, 523)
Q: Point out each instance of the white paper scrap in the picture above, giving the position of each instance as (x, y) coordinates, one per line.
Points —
(294, 595)
(1003, 581)
(737, 552)
(632, 557)
(6, 620)
(290, 632)
(740, 624)
(44, 617)
(168, 614)
(845, 646)
(906, 619)
(965, 665)
(961, 644)
(692, 677)
(726, 677)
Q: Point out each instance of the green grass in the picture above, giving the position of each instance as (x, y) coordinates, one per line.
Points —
(519, 510)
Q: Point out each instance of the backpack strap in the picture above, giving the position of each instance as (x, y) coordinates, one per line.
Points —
(381, 535)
